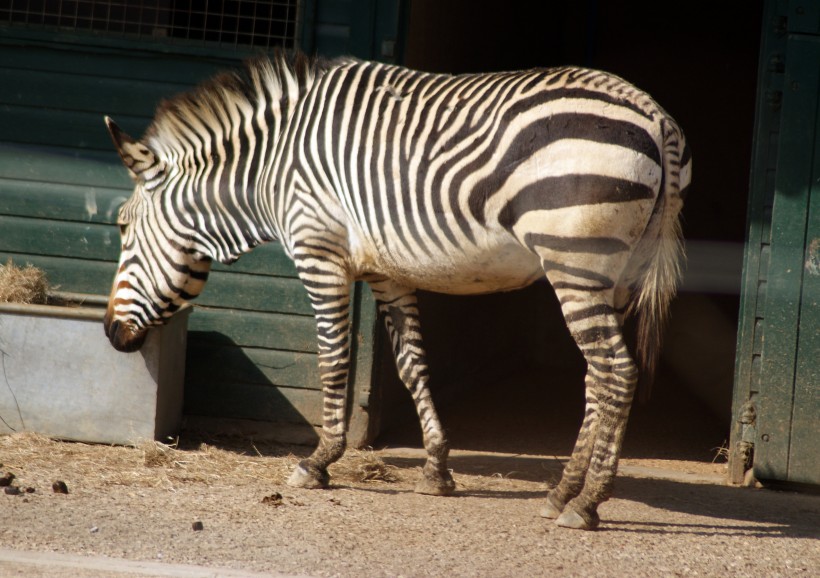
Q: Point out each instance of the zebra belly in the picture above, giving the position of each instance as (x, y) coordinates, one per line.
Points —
(466, 270)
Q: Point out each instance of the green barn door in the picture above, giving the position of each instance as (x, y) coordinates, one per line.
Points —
(777, 390)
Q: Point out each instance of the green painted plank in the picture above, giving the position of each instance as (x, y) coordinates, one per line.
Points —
(785, 275)
(70, 91)
(61, 128)
(208, 363)
(60, 201)
(254, 329)
(248, 401)
(255, 293)
(269, 258)
(59, 238)
(63, 165)
(87, 55)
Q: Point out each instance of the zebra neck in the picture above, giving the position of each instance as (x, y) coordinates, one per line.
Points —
(227, 216)
(222, 139)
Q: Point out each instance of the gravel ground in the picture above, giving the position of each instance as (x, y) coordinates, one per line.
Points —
(669, 518)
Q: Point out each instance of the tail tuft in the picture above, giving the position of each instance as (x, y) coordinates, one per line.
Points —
(659, 282)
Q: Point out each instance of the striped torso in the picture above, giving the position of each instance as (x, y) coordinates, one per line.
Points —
(436, 181)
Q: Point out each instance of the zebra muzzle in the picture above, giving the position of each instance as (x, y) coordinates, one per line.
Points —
(123, 336)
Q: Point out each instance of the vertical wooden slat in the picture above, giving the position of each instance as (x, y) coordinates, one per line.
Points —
(789, 220)
(755, 263)
(804, 450)
(361, 390)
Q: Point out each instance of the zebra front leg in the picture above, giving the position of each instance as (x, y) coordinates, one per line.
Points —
(331, 304)
(400, 309)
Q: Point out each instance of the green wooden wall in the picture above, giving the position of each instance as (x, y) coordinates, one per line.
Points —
(777, 382)
(252, 346)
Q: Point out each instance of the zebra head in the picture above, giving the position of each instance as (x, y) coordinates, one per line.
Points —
(160, 266)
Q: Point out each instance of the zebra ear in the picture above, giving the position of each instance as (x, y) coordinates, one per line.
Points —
(137, 157)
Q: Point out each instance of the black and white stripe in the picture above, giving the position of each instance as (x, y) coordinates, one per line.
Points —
(459, 184)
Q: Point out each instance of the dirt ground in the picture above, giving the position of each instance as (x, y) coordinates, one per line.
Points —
(670, 518)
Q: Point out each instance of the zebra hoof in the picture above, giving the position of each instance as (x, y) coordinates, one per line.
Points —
(310, 477)
(569, 518)
(439, 486)
(549, 510)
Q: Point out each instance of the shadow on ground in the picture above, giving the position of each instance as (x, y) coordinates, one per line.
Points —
(773, 513)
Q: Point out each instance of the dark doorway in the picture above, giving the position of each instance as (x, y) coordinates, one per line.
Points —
(510, 380)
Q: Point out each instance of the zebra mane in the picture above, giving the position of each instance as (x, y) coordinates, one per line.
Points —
(262, 81)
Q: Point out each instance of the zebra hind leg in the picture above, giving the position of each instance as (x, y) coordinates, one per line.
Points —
(589, 475)
(400, 309)
(331, 305)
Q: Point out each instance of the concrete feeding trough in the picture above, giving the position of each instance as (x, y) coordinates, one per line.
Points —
(60, 377)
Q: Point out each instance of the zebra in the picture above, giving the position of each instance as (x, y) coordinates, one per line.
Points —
(407, 180)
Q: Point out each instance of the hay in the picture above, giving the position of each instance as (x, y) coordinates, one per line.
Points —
(721, 453)
(364, 466)
(40, 461)
(149, 464)
(27, 285)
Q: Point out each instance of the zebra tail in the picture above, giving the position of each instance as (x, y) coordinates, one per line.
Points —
(658, 284)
